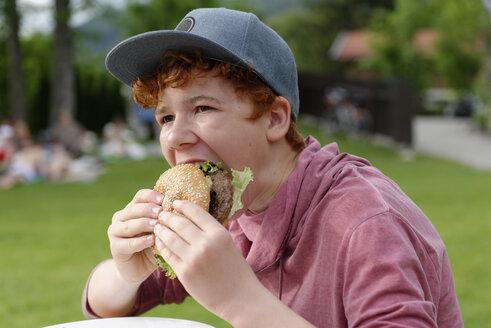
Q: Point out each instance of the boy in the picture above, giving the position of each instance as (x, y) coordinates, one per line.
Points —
(325, 240)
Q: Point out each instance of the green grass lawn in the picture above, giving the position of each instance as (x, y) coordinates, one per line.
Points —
(52, 235)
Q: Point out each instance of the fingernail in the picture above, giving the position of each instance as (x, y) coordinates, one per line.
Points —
(163, 215)
(156, 210)
(153, 223)
(160, 198)
(158, 227)
(150, 239)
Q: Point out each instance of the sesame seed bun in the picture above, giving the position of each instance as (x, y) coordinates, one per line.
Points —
(188, 182)
(183, 182)
(216, 191)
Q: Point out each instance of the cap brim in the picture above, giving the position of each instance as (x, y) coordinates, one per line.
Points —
(141, 55)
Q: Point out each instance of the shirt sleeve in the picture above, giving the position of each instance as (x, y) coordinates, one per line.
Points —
(390, 279)
(158, 289)
(155, 290)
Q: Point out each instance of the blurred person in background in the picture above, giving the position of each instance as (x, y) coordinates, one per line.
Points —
(22, 157)
(69, 133)
(22, 135)
(119, 142)
(25, 160)
(6, 147)
(346, 113)
(325, 239)
(55, 158)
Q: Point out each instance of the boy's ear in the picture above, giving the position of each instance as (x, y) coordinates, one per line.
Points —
(279, 119)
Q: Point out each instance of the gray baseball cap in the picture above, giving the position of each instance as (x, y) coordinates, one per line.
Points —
(220, 34)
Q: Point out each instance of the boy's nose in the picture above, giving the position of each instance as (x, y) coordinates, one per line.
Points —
(180, 135)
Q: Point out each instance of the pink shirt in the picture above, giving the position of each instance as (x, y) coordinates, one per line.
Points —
(342, 246)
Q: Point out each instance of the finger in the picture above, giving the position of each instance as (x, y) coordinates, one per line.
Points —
(131, 228)
(127, 246)
(148, 196)
(202, 219)
(138, 210)
(181, 225)
(171, 240)
(166, 253)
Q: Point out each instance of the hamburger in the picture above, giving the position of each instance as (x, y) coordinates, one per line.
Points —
(216, 190)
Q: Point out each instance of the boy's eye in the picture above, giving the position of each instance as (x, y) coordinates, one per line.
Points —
(201, 109)
(167, 119)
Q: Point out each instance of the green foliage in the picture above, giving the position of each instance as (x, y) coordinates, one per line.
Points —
(311, 29)
(305, 33)
(99, 98)
(456, 59)
(258, 7)
(36, 51)
(458, 66)
(460, 51)
(143, 16)
(37, 71)
(37, 61)
(392, 41)
(3, 78)
(399, 59)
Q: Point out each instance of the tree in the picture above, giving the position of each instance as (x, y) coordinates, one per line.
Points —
(17, 102)
(311, 29)
(483, 84)
(3, 66)
(394, 31)
(460, 50)
(37, 49)
(143, 16)
(455, 59)
(63, 77)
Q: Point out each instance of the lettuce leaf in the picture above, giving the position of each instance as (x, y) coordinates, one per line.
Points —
(240, 180)
(164, 266)
(208, 168)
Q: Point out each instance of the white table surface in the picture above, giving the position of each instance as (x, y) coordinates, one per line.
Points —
(132, 322)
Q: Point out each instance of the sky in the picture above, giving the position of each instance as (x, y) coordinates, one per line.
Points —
(34, 19)
(37, 14)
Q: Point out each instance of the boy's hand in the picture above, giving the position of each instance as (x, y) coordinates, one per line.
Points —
(131, 235)
(202, 254)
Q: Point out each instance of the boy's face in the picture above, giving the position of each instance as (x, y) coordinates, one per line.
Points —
(207, 120)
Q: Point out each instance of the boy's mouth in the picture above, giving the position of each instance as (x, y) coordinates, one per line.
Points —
(196, 161)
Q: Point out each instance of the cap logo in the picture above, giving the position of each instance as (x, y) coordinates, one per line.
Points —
(186, 25)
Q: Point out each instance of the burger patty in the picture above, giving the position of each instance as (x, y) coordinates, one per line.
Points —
(221, 196)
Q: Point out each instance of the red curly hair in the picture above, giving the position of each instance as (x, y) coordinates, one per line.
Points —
(178, 69)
